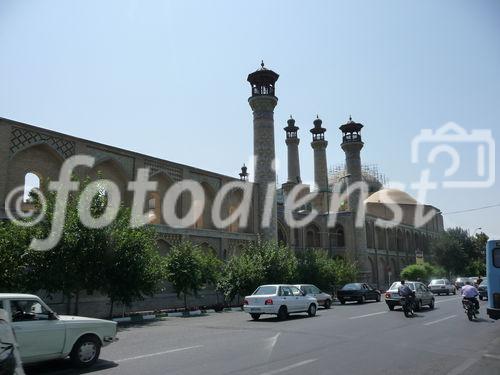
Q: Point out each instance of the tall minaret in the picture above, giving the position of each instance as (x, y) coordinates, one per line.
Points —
(292, 141)
(262, 103)
(352, 145)
(320, 166)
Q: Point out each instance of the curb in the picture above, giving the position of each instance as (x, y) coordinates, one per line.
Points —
(178, 314)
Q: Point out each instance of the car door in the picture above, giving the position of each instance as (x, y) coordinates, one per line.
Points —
(299, 300)
(287, 298)
(423, 294)
(316, 293)
(39, 336)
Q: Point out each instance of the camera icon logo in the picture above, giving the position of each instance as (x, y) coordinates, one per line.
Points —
(472, 155)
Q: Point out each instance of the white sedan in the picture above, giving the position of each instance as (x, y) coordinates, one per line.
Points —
(43, 335)
(280, 300)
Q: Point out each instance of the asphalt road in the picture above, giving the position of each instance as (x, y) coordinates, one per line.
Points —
(348, 339)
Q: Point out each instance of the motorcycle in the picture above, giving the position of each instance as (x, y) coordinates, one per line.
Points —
(407, 305)
(469, 308)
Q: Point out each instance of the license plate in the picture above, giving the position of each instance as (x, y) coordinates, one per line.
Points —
(395, 295)
(254, 309)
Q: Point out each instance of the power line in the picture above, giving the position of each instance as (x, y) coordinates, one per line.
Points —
(471, 209)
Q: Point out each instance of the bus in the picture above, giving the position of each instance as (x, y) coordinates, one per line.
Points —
(493, 277)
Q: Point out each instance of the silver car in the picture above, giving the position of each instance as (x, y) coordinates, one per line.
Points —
(324, 299)
(423, 296)
(442, 286)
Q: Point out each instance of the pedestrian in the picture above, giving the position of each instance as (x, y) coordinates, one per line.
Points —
(10, 360)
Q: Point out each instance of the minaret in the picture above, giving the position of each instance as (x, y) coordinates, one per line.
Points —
(320, 166)
(292, 142)
(262, 103)
(352, 145)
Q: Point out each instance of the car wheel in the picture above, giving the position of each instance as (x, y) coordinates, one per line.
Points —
(312, 310)
(447, 293)
(362, 299)
(378, 298)
(431, 305)
(255, 316)
(391, 307)
(342, 301)
(328, 304)
(454, 292)
(282, 313)
(86, 351)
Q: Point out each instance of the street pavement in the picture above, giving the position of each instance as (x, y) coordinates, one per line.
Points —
(348, 339)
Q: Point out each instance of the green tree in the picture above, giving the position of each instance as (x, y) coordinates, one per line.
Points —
(279, 262)
(459, 253)
(346, 271)
(261, 262)
(133, 267)
(14, 263)
(316, 267)
(423, 271)
(76, 263)
(187, 269)
(241, 275)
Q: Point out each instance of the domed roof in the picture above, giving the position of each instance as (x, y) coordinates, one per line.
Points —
(391, 196)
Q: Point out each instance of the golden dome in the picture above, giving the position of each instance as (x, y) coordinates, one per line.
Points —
(391, 196)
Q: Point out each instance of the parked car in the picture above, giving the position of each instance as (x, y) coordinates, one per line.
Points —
(359, 292)
(483, 290)
(324, 299)
(460, 282)
(43, 335)
(280, 300)
(423, 295)
(442, 286)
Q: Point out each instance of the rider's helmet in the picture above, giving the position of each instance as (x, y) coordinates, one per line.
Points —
(402, 282)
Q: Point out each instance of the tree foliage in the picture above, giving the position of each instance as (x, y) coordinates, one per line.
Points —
(316, 267)
(422, 271)
(189, 268)
(116, 260)
(459, 253)
(346, 271)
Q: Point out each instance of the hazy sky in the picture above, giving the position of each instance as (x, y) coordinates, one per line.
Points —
(168, 79)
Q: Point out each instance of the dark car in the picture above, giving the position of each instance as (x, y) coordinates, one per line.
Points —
(483, 290)
(359, 292)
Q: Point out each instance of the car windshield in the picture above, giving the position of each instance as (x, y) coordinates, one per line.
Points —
(354, 286)
(437, 282)
(484, 283)
(265, 290)
(395, 286)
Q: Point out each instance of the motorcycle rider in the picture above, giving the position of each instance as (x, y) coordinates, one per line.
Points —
(405, 291)
(469, 292)
(10, 360)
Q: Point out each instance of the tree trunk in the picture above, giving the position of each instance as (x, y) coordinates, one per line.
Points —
(68, 304)
(185, 301)
(77, 301)
(111, 302)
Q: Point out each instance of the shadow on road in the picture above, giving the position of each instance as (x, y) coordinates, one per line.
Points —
(274, 319)
(64, 366)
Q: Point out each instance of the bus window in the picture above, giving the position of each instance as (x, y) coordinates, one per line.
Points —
(493, 278)
(496, 258)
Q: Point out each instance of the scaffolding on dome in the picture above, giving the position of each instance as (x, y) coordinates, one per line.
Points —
(370, 172)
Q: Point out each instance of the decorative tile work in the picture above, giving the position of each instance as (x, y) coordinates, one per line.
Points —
(23, 138)
(127, 162)
(170, 238)
(156, 166)
(213, 182)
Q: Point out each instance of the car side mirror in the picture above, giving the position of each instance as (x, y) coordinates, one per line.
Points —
(52, 316)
